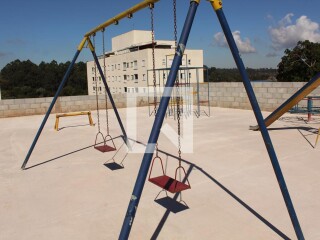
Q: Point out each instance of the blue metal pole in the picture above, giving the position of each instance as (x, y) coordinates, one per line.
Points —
(309, 107)
(261, 123)
(64, 80)
(154, 135)
(111, 98)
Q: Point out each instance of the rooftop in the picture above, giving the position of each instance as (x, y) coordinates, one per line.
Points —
(67, 192)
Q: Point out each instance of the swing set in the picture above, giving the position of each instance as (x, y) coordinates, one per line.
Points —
(164, 181)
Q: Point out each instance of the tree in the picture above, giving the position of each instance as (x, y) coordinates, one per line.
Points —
(299, 64)
(24, 79)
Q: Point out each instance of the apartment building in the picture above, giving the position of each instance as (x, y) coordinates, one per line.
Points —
(130, 62)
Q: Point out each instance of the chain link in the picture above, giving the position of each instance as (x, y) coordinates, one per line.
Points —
(105, 76)
(178, 98)
(175, 22)
(151, 6)
(95, 78)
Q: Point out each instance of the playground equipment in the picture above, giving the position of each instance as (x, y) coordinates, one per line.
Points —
(293, 100)
(163, 181)
(102, 148)
(154, 135)
(72, 114)
(310, 108)
(190, 95)
(164, 102)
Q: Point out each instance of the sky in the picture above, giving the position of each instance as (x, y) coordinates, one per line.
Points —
(49, 30)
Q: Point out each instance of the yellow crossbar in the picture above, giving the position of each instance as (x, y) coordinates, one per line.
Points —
(116, 19)
(71, 114)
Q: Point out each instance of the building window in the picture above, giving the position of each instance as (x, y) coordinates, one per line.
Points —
(143, 63)
(182, 75)
(135, 64)
(125, 89)
(118, 66)
(190, 75)
(163, 62)
(189, 61)
(93, 69)
(137, 90)
(143, 77)
(124, 66)
(112, 67)
(92, 78)
(131, 64)
(136, 77)
(124, 77)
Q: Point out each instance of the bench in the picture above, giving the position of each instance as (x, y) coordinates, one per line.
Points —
(71, 114)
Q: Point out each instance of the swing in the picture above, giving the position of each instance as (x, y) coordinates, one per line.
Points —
(97, 145)
(167, 183)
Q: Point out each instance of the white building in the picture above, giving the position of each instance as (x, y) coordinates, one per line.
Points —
(129, 64)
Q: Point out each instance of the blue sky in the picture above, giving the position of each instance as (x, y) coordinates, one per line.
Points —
(51, 30)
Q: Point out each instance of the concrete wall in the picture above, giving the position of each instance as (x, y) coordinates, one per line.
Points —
(228, 95)
(269, 94)
(34, 106)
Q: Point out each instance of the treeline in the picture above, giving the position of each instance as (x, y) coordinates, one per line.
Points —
(233, 75)
(24, 79)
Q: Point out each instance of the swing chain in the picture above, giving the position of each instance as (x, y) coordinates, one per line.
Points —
(105, 92)
(95, 79)
(175, 22)
(151, 6)
(178, 98)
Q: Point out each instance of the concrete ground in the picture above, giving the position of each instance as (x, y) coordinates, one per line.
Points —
(67, 192)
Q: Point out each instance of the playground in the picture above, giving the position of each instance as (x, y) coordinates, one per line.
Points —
(233, 183)
(68, 192)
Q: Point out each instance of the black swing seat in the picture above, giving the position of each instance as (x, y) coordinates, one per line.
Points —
(169, 184)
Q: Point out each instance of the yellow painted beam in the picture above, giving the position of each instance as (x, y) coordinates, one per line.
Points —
(216, 4)
(117, 18)
(293, 100)
(71, 114)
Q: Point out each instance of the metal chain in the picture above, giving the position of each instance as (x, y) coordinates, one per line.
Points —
(178, 99)
(175, 22)
(104, 69)
(95, 78)
(151, 6)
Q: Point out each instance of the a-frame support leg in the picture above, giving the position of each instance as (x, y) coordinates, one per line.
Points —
(109, 93)
(154, 135)
(63, 82)
(217, 5)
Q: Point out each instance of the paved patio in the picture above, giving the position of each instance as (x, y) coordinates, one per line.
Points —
(67, 192)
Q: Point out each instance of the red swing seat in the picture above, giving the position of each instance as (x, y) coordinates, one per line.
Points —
(168, 183)
(104, 148)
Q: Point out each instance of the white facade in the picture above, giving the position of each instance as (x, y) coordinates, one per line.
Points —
(129, 64)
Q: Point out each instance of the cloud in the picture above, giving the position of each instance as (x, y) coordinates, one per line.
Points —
(244, 46)
(272, 54)
(286, 34)
(3, 54)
